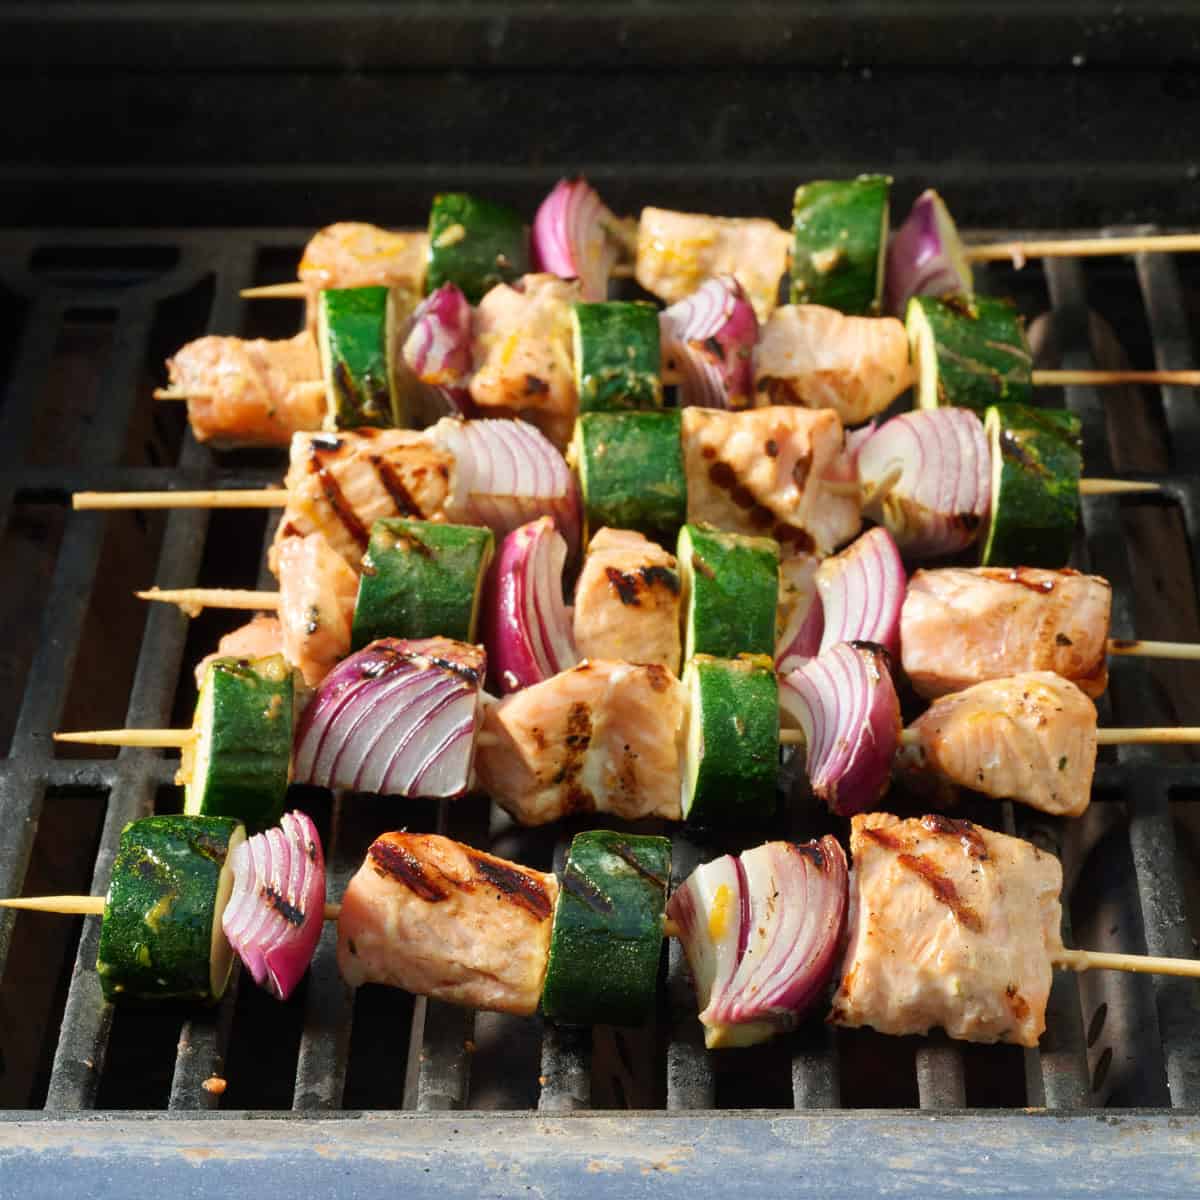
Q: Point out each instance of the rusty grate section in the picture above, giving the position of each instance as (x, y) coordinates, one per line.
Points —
(89, 318)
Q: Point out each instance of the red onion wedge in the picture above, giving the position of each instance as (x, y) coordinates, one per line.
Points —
(398, 719)
(925, 257)
(846, 703)
(761, 933)
(708, 338)
(801, 619)
(438, 346)
(862, 592)
(277, 907)
(506, 474)
(527, 626)
(573, 237)
(927, 477)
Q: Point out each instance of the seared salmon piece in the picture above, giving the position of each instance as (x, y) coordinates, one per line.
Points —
(260, 637)
(627, 601)
(962, 625)
(1031, 737)
(950, 925)
(677, 252)
(340, 484)
(441, 919)
(317, 591)
(522, 354)
(601, 737)
(821, 358)
(250, 393)
(765, 471)
(350, 254)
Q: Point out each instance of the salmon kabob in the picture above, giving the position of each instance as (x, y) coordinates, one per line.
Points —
(940, 924)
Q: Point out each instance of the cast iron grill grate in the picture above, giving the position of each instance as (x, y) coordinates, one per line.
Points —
(90, 318)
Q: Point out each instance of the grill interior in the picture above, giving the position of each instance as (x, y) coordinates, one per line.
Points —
(88, 319)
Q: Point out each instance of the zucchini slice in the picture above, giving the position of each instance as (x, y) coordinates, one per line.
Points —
(356, 335)
(161, 936)
(839, 243)
(631, 474)
(618, 357)
(730, 592)
(732, 745)
(239, 762)
(968, 353)
(421, 579)
(475, 244)
(1036, 464)
(606, 940)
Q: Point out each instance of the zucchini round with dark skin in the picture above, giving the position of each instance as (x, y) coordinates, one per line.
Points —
(631, 474)
(968, 353)
(730, 591)
(238, 763)
(356, 336)
(475, 244)
(607, 935)
(1036, 465)
(731, 756)
(161, 936)
(421, 579)
(839, 243)
(618, 357)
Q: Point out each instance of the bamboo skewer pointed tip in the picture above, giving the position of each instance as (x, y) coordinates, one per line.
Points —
(152, 738)
(192, 601)
(295, 289)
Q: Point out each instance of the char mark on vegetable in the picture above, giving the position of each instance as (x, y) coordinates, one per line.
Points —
(289, 912)
(584, 890)
(626, 853)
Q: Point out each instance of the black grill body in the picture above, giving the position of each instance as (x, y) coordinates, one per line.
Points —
(140, 199)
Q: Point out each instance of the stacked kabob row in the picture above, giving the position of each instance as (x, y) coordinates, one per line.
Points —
(760, 650)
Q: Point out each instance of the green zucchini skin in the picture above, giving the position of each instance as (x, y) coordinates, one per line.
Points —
(608, 929)
(239, 764)
(618, 356)
(969, 353)
(475, 244)
(356, 338)
(732, 756)
(1037, 461)
(839, 243)
(421, 579)
(730, 591)
(631, 472)
(156, 938)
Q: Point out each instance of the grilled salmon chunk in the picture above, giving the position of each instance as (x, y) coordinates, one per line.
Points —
(441, 919)
(627, 601)
(339, 484)
(677, 252)
(962, 625)
(1031, 737)
(250, 393)
(522, 354)
(821, 358)
(350, 254)
(260, 637)
(950, 925)
(601, 737)
(317, 592)
(765, 472)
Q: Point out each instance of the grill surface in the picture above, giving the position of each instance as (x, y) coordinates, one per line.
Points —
(89, 317)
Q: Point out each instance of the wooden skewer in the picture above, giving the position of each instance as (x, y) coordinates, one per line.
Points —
(215, 498)
(1137, 648)
(1110, 378)
(1092, 247)
(1150, 735)
(194, 600)
(170, 738)
(1087, 487)
(1070, 960)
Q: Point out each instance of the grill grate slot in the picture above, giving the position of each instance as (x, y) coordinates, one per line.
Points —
(559, 1071)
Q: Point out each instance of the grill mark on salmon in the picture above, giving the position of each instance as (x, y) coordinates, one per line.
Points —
(971, 838)
(1043, 586)
(335, 496)
(943, 889)
(513, 885)
(402, 498)
(401, 864)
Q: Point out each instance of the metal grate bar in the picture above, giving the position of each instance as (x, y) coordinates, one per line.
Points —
(941, 1077)
(815, 1079)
